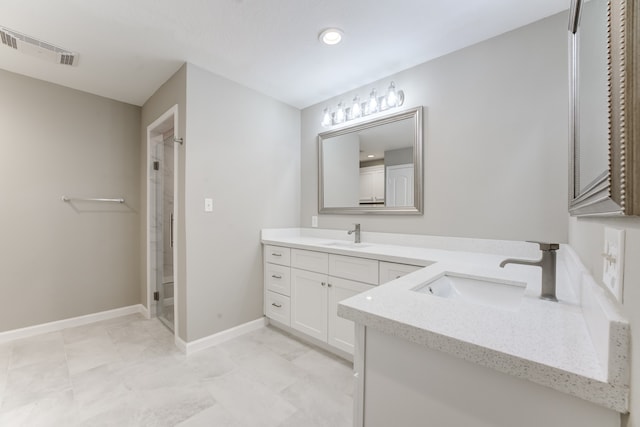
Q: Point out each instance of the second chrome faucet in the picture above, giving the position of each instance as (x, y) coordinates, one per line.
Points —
(357, 231)
(548, 265)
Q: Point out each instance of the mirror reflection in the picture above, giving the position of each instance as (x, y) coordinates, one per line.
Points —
(592, 127)
(372, 167)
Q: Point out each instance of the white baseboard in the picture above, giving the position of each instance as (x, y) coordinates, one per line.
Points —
(220, 337)
(59, 325)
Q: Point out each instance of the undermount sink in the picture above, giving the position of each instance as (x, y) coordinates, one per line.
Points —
(345, 244)
(498, 293)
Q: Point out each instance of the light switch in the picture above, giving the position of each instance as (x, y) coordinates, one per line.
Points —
(613, 261)
(208, 205)
(314, 221)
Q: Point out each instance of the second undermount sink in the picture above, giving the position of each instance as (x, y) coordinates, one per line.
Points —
(498, 293)
(346, 244)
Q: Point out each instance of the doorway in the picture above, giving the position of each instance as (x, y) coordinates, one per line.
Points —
(162, 160)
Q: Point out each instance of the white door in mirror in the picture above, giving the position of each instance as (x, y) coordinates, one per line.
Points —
(613, 264)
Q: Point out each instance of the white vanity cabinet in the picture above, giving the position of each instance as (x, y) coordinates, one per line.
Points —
(309, 288)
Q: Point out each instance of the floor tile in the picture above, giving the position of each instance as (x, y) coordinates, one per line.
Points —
(91, 352)
(216, 416)
(249, 401)
(41, 348)
(128, 372)
(34, 382)
(328, 369)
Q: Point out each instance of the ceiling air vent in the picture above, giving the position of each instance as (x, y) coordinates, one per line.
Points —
(38, 48)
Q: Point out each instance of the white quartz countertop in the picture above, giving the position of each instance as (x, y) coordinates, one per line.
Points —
(545, 342)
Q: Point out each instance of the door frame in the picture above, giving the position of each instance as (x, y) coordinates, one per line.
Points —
(168, 120)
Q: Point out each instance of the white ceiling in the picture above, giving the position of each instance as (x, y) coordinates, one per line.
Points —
(128, 48)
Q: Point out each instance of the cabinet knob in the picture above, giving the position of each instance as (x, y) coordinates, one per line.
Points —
(322, 283)
(329, 285)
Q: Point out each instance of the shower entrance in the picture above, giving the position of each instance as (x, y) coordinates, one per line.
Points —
(162, 155)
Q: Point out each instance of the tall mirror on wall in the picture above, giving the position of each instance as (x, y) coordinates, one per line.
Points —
(373, 166)
(605, 122)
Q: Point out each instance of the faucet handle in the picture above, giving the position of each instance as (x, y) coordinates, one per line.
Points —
(544, 246)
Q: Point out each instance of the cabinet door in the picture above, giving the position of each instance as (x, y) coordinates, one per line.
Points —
(391, 271)
(341, 331)
(366, 187)
(377, 178)
(309, 303)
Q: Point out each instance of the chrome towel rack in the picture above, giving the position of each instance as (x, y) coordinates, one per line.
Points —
(83, 199)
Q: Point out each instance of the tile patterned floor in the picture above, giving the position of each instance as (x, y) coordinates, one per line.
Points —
(127, 372)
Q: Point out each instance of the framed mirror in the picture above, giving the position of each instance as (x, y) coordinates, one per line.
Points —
(604, 117)
(372, 167)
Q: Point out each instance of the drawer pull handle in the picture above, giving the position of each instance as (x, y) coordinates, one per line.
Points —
(276, 305)
(276, 254)
(397, 277)
(276, 276)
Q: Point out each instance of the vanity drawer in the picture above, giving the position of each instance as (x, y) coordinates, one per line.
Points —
(277, 255)
(360, 269)
(277, 278)
(391, 271)
(278, 307)
(310, 260)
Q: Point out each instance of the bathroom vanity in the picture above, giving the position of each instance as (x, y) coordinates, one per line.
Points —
(424, 351)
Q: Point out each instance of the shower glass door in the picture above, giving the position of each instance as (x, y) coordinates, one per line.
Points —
(164, 228)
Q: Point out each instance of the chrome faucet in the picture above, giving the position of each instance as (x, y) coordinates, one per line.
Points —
(548, 265)
(357, 231)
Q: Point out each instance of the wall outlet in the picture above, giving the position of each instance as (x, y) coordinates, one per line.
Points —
(613, 262)
(314, 221)
(208, 205)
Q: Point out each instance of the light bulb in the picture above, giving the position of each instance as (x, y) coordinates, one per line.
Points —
(373, 102)
(326, 118)
(392, 98)
(340, 113)
(356, 110)
(331, 36)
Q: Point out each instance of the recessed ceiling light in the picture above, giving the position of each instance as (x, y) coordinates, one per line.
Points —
(330, 36)
(371, 156)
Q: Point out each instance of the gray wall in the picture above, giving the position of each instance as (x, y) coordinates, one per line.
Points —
(401, 156)
(495, 125)
(172, 92)
(61, 260)
(242, 150)
(586, 236)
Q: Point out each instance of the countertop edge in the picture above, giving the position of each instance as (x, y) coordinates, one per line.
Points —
(609, 395)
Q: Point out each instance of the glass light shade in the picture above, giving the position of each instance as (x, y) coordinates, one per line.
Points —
(392, 97)
(373, 102)
(356, 110)
(326, 118)
(340, 113)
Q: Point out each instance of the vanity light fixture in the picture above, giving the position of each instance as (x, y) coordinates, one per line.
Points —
(330, 36)
(392, 99)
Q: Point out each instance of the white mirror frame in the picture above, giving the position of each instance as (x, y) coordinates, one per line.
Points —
(616, 190)
(416, 209)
